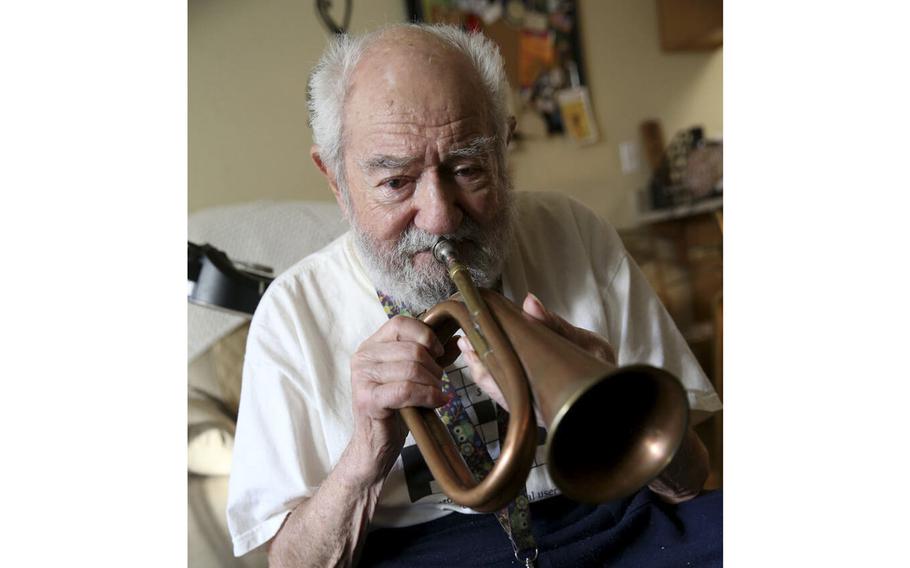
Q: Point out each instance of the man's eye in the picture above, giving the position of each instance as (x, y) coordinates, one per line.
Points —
(468, 171)
(396, 183)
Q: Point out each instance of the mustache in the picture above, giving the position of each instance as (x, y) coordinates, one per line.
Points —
(415, 240)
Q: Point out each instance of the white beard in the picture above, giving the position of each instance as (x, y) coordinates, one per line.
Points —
(419, 287)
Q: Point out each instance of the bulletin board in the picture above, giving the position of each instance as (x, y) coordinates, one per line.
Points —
(539, 41)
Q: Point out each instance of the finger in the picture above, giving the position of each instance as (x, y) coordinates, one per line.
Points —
(585, 339)
(402, 394)
(535, 308)
(478, 370)
(403, 328)
(480, 374)
(398, 351)
(397, 371)
(465, 346)
(598, 346)
(470, 357)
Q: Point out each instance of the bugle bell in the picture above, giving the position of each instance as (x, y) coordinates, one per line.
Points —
(610, 430)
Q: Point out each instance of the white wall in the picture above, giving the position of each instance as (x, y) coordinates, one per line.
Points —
(248, 64)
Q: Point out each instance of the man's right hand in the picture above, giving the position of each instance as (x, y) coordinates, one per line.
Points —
(394, 368)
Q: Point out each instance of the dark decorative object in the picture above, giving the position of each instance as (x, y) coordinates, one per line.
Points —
(217, 281)
(691, 169)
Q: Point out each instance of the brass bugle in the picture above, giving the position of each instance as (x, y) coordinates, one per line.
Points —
(610, 430)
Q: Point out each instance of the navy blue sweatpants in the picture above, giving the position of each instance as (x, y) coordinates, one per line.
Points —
(640, 531)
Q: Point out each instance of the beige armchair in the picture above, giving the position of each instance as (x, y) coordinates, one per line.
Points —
(275, 234)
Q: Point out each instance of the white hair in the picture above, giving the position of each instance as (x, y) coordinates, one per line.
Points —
(330, 80)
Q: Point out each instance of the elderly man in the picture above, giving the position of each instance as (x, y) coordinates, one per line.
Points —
(411, 129)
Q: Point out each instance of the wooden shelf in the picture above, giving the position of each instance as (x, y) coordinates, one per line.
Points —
(681, 211)
(690, 25)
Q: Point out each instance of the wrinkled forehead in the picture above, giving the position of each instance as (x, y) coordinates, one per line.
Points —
(413, 81)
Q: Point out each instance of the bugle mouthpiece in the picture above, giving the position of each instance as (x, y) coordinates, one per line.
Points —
(444, 251)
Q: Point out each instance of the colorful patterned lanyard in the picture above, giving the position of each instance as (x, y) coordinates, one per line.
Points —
(515, 519)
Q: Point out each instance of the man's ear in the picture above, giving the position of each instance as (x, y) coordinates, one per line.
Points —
(329, 176)
(512, 124)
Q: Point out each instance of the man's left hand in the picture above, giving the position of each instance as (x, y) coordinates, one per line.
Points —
(589, 341)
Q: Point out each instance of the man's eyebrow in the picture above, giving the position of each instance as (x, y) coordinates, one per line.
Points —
(478, 147)
(384, 162)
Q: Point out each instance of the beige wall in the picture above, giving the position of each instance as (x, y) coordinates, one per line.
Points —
(247, 131)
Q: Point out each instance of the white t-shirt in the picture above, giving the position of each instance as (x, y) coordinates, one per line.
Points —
(295, 415)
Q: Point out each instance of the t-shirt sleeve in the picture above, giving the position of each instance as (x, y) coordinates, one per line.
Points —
(638, 325)
(269, 476)
(649, 335)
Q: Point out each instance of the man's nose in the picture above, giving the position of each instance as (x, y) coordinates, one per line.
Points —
(437, 210)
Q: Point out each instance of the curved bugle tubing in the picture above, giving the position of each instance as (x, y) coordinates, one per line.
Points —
(501, 485)
(610, 429)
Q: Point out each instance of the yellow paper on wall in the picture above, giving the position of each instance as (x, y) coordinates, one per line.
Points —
(577, 118)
